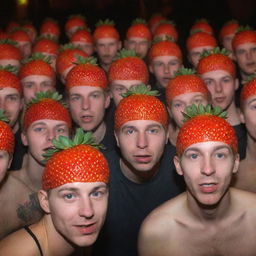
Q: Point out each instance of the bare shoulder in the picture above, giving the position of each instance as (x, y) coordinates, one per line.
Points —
(160, 223)
(18, 243)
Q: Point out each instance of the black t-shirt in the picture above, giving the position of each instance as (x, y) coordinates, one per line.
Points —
(19, 151)
(242, 139)
(130, 203)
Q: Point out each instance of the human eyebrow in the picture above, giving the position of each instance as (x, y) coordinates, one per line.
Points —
(128, 127)
(154, 126)
(39, 123)
(71, 189)
(251, 101)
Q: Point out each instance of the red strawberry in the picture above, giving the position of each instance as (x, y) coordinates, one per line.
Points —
(140, 104)
(75, 160)
(128, 66)
(19, 35)
(203, 26)
(244, 35)
(164, 48)
(81, 35)
(46, 105)
(6, 135)
(139, 29)
(105, 29)
(75, 21)
(46, 45)
(50, 27)
(37, 64)
(185, 81)
(229, 28)
(154, 21)
(248, 89)
(205, 124)
(8, 50)
(166, 28)
(86, 73)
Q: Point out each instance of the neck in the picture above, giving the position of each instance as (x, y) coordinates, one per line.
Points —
(135, 175)
(251, 148)
(105, 66)
(56, 244)
(16, 127)
(232, 113)
(210, 213)
(100, 132)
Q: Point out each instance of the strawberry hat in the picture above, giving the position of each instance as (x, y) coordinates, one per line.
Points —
(8, 79)
(139, 29)
(105, 29)
(46, 105)
(128, 66)
(75, 21)
(185, 81)
(68, 56)
(203, 26)
(248, 89)
(139, 103)
(244, 35)
(8, 50)
(7, 139)
(216, 59)
(86, 73)
(154, 21)
(229, 28)
(82, 35)
(200, 39)
(203, 124)
(50, 27)
(37, 64)
(20, 35)
(168, 28)
(46, 45)
(164, 48)
(76, 160)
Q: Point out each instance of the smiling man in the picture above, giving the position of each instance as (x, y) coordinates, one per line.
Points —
(74, 197)
(44, 119)
(142, 177)
(207, 158)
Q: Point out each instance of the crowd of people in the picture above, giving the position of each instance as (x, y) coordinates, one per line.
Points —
(112, 146)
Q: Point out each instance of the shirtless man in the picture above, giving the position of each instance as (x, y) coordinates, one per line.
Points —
(210, 218)
(74, 199)
(245, 178)
(43, 121)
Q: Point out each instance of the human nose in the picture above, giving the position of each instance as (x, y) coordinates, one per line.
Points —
(218, 86)
(86, 208)
(207, 168)
(142, 141)
(50, 135)
(166, 69)
(85, 103)
(107, 49)
(249, 55)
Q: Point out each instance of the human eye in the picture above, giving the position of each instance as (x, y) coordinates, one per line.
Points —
(253, 106)
(240, 51)
(28, 85)
(129, 131)
(197, 101)
(75, 97)
(69, 196)
(95, 95)
(46, 84)
(97, 194)
(192, 155)
(226, 79)
(158, 64)
(220, 155)
(254, 49)
(208, 81)
(120, 89)
(153, 130)
(12, 97)
(177, 104)
(61, 129)
(39, 129)
(173, 63)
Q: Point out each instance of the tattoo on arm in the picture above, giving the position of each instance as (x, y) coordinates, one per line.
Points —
(31, 208)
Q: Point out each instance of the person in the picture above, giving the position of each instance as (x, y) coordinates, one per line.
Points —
(219, 74)
(201, 25)
(185, 89)
(36, 75)
(73, 23)
(244, 179)
(50, 27)
(196, 44)
(244, 45)
(166, 29)
(210, 216)
(142, 177)
(45, 118)
(165, 58)
(138, 38)
(107, 42)
(88, 98)
(226, 35)
(7, 142)
(11, 102)
(74, 198)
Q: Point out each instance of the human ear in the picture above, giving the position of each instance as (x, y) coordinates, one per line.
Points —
(236, 164)
(24, 138)
(117, 140)
(44, 200)
(177, 164)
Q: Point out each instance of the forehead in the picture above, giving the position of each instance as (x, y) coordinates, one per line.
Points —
(137, 39)
(250, 100)
(106, 40)
(84, 90)
(8, 90)
(188, 96)
(48, 122)
(201, 49)
(125, 83)
(208, 146)
(216, 74)
(36, 78)
(246, 46)
(141, 124)
(165, 58)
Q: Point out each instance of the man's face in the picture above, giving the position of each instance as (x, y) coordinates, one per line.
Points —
(40, 134)
(139, 45)
(106, 49)
(5, 161)
(227, 42)
(141, 143)
(36, 83)
(5, 62)
(25, 48)
(221, 86)
(249, 116)
(118, 87)
(195, 53)
(245, 55)
(163, 67)
(11, 103)
(86, 47)
(180, 102)
(87, 106)
(78, 210)
(207, 168)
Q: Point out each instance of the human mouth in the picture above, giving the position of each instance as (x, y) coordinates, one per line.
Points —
(208, 187)
(87, 229)
(143, 159)
(219, 99)
(87, 118)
